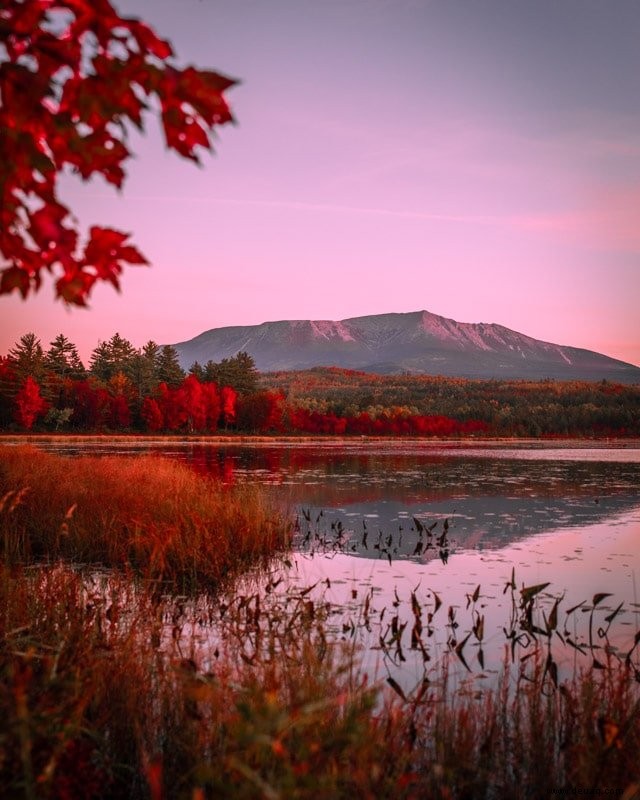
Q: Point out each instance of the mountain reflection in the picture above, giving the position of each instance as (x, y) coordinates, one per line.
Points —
(490, 496)
(488, 502)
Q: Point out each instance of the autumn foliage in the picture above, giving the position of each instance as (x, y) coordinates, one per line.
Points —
(29, 404)
(146, 390)
(73, 75)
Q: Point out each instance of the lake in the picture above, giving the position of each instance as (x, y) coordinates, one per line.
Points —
(392, 532)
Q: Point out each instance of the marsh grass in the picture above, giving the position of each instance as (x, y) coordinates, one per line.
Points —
(105, 694)
(149, 514)
(108, 689)
(116, 684)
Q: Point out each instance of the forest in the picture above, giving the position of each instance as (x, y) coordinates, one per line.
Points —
(127, 390)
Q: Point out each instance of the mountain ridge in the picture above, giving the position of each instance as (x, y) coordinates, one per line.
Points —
(417, 341)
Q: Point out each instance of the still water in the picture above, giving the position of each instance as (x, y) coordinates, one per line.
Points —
(384, 526)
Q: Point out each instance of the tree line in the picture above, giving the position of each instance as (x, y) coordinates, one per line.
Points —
(500, 407)
(128, 389)
(123, 388)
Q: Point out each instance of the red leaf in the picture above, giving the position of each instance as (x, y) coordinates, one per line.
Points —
(74, 288)
(148, 40)
(105, 251)
(65, 98)
(46, 226)
(132, 255)
(14, 278)
(203, 90)
(183, 133)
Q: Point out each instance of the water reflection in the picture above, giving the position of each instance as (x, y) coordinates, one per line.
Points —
(491, 496)
(388, 522)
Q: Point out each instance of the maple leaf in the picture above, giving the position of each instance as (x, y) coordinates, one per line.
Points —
(105, 252)
(148, 41)
(67, 91)
(183, 133)
(73, 287)
(14, 278)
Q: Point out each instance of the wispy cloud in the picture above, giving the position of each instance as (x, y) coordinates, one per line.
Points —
(609, 220)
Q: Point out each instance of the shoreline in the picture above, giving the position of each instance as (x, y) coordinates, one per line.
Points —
(322, 440)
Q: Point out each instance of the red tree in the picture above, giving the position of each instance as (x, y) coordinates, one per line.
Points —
(151, 414)
(211, 398)
(171, 407)
(73, 73)
(91, 405)
(261, 412)
(119, 412)
(193, 402)
(29, 404)
(228, 400)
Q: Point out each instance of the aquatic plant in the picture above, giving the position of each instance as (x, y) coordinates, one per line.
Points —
(110, 688)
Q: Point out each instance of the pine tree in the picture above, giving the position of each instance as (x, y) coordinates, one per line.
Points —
(198, 370)
(168, 369)
(145, 369)
(27, 359)
(247, 374)
(116, 355)
(63, 360)
(239, 372)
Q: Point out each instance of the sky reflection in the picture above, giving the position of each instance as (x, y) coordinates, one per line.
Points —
(387, 522)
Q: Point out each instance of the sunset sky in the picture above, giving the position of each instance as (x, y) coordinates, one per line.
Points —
(480, 160)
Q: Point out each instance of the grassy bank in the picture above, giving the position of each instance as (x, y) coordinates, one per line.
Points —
(112, 689)
(148, 514)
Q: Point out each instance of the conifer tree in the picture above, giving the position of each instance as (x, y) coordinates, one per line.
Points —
(198, 370)
(168, 369)
(63, 360)
(109, 358)
(238, 372)
(27, 359)
(145, 369)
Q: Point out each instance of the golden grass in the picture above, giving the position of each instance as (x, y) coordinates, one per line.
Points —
(148, 513)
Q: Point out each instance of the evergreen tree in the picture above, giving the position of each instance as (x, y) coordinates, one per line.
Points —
(238, 372)
(247, 374)
(210, 372)
(116, 355)
(63, 360)
(198, 370)
(168, 369)
(27, 359)
(145, 369)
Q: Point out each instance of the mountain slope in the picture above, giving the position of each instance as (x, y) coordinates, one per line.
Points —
(418, 341)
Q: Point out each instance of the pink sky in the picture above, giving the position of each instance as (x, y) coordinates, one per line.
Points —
(480, 161)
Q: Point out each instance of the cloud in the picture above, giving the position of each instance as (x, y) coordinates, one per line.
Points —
(609, 220)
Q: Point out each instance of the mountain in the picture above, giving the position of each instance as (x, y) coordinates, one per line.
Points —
(417, 342)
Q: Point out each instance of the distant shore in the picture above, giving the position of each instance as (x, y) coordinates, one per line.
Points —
(318, 439)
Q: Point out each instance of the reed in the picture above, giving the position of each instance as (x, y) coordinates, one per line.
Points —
(149, 514)
(105, 692)
(108, 689)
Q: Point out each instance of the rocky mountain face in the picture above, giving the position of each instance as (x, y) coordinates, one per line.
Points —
(417, 342)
